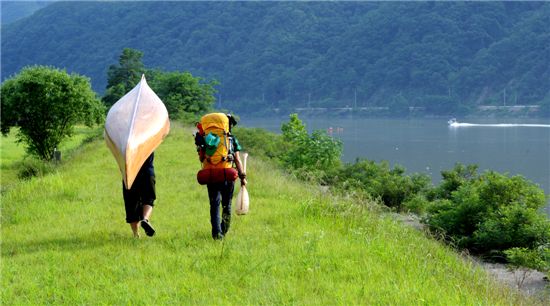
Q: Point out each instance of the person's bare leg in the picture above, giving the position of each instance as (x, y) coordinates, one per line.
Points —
(147, 211)
(134, 226)
(149, 230)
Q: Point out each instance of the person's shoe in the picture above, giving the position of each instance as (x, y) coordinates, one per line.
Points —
(226, 221)
(147, 227)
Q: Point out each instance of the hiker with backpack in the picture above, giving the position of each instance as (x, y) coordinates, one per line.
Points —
(218, 152)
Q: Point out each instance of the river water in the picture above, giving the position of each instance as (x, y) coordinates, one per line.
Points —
(514, 146)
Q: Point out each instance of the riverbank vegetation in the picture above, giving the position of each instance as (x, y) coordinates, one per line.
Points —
(491, 215)
(64, 241)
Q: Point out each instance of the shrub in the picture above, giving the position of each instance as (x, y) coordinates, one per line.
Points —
(392, 186)
(309, 156)
(523, 259)
(511, 226)
(260, 142)
(31, 167)
(416, 204)
(491, 214)
(536, 259)
(453, 179)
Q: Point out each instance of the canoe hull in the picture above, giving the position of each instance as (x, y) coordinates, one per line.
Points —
(135, 126)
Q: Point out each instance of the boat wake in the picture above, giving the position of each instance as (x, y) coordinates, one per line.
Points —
(453, 123)
(499, 125)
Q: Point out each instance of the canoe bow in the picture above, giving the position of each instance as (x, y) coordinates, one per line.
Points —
(135, 126)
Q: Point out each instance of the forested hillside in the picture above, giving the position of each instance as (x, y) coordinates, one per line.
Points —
(15, 10)
(444, 57)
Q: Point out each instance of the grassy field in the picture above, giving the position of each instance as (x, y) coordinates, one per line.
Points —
(13, 154)
(65, 241)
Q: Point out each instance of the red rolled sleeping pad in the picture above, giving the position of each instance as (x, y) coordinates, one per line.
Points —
(216, 175)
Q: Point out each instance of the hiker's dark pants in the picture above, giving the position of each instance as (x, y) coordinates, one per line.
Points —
(142, 192)
(220, 192)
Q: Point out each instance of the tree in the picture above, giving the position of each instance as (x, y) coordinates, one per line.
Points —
(294, 129)
(182, 93)
(123, 77)
(45, 103)
(309, 152)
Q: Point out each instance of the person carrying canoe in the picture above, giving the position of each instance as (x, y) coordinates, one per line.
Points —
(139, 199)
(134, 127)
(218, 151)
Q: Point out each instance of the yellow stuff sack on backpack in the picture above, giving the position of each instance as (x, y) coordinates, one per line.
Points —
(216, 135)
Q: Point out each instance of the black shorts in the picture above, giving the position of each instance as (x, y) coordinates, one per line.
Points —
(142, 192)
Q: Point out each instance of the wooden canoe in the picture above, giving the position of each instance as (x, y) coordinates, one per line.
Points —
(135, 126)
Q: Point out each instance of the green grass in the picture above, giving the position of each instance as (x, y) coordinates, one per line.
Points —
(13, 155)
(65, 241)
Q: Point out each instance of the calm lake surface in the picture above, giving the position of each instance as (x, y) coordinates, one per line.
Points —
(521, 147)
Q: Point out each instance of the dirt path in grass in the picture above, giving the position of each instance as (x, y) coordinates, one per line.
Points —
(530, 282)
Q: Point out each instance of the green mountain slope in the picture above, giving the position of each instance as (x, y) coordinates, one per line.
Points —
(14, 10)
(444, 56)
(64, 241)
